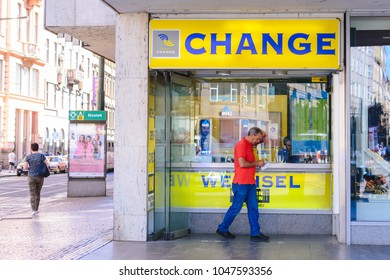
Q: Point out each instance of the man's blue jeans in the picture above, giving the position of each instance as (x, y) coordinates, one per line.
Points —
(247, 194)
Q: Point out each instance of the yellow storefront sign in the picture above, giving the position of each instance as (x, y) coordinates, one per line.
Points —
(151, 143)
(212, 190)
(244, 44)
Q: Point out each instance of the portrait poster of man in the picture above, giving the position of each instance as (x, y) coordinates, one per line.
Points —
(205, 137)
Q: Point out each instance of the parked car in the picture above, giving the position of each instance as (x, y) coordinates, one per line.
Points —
(64, 159)
(19, 168)
(58, 164)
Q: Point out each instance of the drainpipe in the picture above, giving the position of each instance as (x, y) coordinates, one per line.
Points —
(100, 103)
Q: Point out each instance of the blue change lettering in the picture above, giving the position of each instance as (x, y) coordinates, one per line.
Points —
(304, 47)
(324, 40)
(192, 37)
(277, 46)
(227, 43)
(267, 42)
(246, 43)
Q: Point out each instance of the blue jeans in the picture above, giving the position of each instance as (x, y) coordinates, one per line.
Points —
(247, 194)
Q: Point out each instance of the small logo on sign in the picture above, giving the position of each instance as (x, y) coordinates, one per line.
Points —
(166, 40)
(165, 44)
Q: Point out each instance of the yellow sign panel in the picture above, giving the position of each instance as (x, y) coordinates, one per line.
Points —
(151, 135)
(244, 44)
(212, 190)
(319, 79)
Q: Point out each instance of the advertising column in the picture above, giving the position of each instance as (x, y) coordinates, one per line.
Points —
(87, 153)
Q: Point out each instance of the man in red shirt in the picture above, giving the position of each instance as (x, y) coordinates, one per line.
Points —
(244, 186)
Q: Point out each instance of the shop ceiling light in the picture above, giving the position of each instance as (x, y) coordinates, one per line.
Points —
(280, 72)
(223, 73)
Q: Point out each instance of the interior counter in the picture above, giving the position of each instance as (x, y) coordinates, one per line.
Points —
(272, 167)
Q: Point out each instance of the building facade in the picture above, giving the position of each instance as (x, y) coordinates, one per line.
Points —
(72, 83)
(196, 81)
(22, 97)
(43, 76)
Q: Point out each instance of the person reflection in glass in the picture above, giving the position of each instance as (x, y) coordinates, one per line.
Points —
(285, 153)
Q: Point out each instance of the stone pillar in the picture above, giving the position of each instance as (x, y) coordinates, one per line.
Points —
(131, 127)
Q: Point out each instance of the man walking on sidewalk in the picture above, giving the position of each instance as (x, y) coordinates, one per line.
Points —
(244, 186)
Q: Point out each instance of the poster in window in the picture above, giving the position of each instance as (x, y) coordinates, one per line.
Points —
(273, 131)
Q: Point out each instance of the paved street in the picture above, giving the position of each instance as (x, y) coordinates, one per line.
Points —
(66, 228)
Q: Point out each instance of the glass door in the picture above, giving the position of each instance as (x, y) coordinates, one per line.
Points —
(170, 108)
(158, 170)
(182, 151)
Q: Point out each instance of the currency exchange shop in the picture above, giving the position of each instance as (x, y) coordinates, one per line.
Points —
(211, 80)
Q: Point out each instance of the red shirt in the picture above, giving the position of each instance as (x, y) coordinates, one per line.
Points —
(244, 175)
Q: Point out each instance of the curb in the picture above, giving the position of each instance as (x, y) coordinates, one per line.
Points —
(7, 175)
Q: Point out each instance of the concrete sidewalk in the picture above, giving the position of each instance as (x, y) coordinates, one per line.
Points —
(65, 229)
(81, 229)
(213, 247)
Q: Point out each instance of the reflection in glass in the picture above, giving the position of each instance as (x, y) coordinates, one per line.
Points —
(370, 141)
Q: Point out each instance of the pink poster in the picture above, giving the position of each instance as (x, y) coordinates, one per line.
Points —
(87, 150)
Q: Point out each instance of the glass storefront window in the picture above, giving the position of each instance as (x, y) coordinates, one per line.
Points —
(369, 118)
(208, 121)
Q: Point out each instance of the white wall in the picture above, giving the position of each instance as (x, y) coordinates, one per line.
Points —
(79, 13)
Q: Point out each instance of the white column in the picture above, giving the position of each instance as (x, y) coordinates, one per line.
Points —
(340, 134)
(131, 127)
